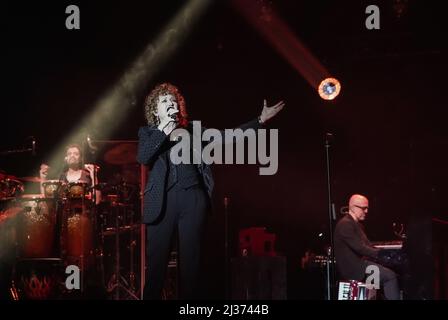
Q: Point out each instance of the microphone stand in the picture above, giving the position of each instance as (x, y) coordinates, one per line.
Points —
(226, 245)
(331, 276)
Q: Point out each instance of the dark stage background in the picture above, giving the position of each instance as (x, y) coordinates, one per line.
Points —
(389, 121)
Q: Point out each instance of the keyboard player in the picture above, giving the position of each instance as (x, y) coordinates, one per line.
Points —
(354, 252)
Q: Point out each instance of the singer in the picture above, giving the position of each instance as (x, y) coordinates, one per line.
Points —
(176, 197)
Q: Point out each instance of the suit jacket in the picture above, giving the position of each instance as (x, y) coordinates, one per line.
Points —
(351, 246)
(153, 151)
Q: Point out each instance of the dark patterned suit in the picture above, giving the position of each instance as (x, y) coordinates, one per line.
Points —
(176, 197)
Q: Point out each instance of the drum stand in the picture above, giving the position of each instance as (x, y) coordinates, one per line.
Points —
(118, 281)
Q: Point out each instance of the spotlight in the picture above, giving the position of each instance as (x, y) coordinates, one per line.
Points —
(329, 88)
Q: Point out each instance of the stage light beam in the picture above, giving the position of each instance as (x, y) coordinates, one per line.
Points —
(263, 18)
(112, 108)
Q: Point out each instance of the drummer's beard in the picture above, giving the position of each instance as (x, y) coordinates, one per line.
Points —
(74, 165)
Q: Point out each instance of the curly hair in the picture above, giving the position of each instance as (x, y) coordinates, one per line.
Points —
(152, 99)
(74, 145)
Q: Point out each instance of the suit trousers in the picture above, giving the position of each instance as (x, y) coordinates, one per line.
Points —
(388, 281)
(184, 211)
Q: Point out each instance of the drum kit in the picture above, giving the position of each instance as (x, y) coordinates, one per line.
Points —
(63, 226)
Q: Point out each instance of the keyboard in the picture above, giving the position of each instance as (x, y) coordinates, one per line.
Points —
(388, 245)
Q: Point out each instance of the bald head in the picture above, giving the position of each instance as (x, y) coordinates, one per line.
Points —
(358, 207)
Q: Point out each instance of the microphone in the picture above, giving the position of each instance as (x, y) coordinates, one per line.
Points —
(226, 202)
(175, 113)
(174, 116)
(329, 138)
(33, 146)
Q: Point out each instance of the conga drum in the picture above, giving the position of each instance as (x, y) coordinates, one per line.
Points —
(78, 239)
(76, 190)
(37, 227)
(52, 188)
(10, 187)
(38, 269)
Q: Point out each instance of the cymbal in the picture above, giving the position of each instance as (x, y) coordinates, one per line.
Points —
(4, 176)
(125, 153)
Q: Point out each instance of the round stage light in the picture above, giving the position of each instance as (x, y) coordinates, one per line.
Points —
(329, 88)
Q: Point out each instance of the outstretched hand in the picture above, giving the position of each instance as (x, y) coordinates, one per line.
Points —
(269, 112)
